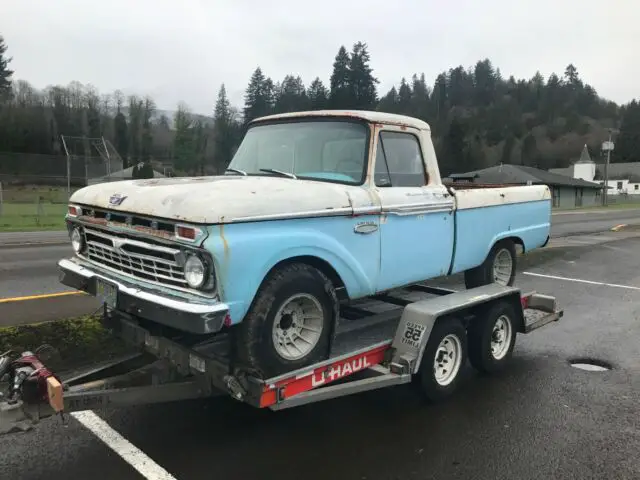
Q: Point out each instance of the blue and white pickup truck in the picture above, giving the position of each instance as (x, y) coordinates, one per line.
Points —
(316, 209)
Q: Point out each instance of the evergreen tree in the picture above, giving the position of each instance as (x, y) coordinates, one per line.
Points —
(454, 158)
(485, 82)
(317, 95)
(340, 86)
(627, 145)
(291, 95)
(224, 131)
(5, 73)
(478, 117)
(361, 81)
(258, 100)
(404, 97)
(420, 103)
(390, 102)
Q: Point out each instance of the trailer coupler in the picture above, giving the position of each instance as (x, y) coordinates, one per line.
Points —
(30, 392)
(28, 383)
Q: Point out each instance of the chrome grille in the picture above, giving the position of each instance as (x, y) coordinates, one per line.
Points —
(143, 260)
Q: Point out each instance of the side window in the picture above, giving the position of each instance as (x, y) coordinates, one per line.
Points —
(399, 161)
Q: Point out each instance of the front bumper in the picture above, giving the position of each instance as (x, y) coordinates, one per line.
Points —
(179, 313)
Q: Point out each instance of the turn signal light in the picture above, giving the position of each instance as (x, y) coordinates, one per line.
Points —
(188, 233)
(74, 211)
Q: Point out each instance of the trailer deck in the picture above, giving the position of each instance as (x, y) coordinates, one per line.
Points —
(378, 342)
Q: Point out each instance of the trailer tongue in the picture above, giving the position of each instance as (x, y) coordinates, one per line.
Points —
(418, 333)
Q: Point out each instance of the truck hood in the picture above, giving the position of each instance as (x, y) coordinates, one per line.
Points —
(217, 199)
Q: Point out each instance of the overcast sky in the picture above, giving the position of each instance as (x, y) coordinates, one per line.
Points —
(184, 49)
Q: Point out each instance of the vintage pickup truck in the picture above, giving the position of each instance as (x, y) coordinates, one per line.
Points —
(316, 209)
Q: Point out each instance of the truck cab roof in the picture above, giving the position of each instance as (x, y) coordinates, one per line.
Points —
(367, 115)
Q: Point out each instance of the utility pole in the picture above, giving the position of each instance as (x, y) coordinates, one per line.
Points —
(608, 147)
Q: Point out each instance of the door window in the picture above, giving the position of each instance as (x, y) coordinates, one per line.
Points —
(399, 161)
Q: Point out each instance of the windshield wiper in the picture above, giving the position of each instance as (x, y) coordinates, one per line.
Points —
(280, 172)
(241, 172)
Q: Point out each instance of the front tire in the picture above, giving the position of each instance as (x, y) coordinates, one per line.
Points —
(499, 267)
(290, 322)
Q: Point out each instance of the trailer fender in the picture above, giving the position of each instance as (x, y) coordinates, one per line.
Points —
(418, 319)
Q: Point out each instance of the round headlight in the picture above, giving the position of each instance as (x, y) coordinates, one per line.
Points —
(194, 272)
(77, 242)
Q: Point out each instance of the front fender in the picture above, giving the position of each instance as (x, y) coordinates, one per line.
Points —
(245, 253)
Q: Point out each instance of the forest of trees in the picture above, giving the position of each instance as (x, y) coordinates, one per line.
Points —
(478, 117)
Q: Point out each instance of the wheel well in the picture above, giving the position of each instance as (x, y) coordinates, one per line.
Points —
(517, 240)
(323, 266)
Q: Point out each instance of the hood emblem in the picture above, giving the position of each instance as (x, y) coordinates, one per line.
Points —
(116, 199)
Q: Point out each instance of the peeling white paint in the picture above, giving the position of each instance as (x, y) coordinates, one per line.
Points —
(225, 199)
(491, 197)
(369, 116)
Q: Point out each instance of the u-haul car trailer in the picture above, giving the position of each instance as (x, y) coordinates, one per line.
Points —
(420, 334)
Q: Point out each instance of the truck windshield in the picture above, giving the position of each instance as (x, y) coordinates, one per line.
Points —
(333, 151)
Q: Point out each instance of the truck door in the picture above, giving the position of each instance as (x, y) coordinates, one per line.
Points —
(416, 223)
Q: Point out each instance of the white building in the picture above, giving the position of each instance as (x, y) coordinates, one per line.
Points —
(624, 178)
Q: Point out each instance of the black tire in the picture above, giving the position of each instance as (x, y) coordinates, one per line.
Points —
(432, 390)
(483, 274)
(255, 345)
(480, 334)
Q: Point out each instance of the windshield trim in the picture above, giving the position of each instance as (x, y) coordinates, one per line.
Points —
(322, 118)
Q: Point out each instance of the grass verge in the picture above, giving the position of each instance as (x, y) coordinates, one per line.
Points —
(76, 341)
(27, 217)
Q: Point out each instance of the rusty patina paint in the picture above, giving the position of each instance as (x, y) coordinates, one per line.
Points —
(123, 226)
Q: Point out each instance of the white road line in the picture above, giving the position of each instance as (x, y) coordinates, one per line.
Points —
(615, 285)
(129, 452)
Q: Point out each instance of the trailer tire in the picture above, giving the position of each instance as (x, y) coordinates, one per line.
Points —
(447, 341)
(284, 295)
(492, 338)
(504, 252)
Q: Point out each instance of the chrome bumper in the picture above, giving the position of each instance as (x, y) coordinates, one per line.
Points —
(179, 313)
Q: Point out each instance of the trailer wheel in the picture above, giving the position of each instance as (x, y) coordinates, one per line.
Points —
(443, 359)
(499, 267)
(492, 338)
(290, 321)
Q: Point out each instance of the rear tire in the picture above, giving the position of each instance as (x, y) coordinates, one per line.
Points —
(444, 358)
(290, 322)
(492, 338)
(499, 267)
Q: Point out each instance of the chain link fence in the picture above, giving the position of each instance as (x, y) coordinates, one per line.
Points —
(34, 189)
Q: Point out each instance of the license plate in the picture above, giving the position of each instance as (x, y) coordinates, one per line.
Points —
(107, 292)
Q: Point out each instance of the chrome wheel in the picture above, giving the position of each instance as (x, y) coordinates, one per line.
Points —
(501, 337)
(448, 359)
(297, 326)
(502, 267)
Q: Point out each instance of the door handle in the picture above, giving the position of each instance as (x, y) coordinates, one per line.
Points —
(365, 228)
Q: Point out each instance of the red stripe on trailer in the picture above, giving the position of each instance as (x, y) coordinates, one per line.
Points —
(524, 300)
(324, 375)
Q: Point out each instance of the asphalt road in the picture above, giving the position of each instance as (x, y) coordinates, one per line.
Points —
(539, 419)
(32, 271)
(579, 222)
